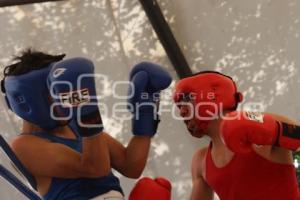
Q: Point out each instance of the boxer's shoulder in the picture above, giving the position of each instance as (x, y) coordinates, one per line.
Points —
(26, 141)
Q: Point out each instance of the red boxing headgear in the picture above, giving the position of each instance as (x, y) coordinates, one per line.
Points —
(211, 93)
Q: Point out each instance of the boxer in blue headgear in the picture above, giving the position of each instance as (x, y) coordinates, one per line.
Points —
(74, 161)
(27, 94)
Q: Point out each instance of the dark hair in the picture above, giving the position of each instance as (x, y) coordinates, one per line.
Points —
(30, 60)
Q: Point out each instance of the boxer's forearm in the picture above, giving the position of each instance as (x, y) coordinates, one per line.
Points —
(94, 148)
(129, 161)
(289, 137)
(136, 155)
(282, 118)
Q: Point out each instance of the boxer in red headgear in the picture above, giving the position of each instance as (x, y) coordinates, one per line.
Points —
(151, 189)
(233, 165)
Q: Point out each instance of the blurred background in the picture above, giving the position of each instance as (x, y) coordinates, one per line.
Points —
(256, 42)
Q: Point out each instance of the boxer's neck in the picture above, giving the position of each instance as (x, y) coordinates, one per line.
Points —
(29, 127)
(213, 131)
(65, 132)
(62, 131)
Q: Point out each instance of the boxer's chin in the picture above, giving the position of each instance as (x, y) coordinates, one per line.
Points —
(197, 134)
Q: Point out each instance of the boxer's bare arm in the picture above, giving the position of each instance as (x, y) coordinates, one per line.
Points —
(282, 118)
(131, 160)
(200, 190)
(47, 159)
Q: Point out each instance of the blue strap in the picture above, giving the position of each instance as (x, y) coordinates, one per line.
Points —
(12, 179)
(12, 156)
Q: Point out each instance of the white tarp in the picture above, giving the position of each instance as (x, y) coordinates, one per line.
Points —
(256, 42)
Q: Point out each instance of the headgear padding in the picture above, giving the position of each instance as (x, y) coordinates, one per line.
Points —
(211, 93)
(27, 95)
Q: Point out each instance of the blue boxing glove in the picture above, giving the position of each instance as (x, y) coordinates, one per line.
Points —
(72, 86)
(147, 80)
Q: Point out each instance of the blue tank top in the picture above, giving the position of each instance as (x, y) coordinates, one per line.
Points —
(80, 188)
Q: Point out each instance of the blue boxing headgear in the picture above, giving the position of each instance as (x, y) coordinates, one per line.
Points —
(28, 96)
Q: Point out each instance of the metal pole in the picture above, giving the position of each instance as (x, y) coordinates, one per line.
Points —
(12, 179)
(4, 3)
(166, 37)
(17, 163)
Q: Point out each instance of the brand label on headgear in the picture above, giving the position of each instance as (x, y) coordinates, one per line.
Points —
(74, 98)
(255, 116)
(58, 72)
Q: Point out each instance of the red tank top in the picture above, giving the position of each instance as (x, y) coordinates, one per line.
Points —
(252, 177)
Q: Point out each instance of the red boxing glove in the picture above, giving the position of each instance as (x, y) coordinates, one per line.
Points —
(240, 130)
(151, 189)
